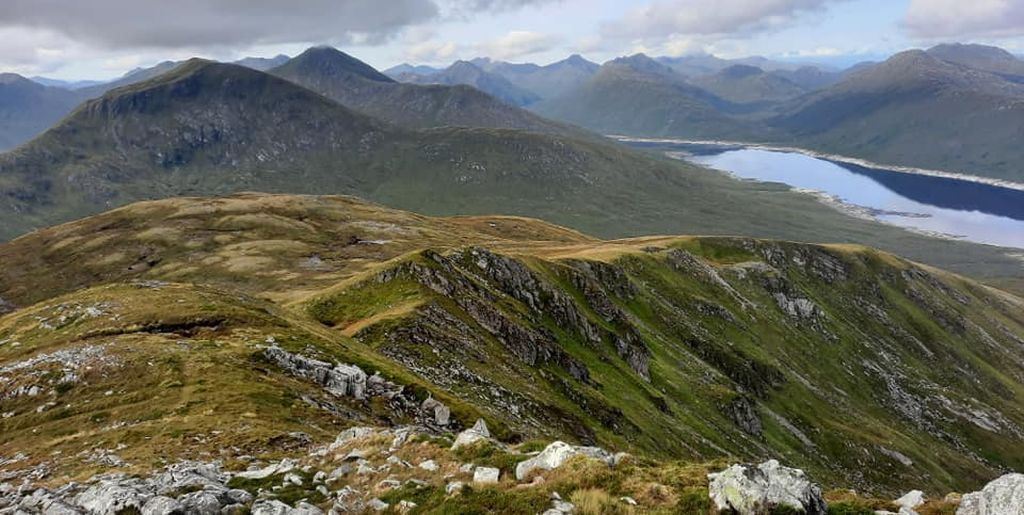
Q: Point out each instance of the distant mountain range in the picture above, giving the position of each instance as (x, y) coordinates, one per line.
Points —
(359, 86)
(954, 107)
(469, 74)
(206, 128)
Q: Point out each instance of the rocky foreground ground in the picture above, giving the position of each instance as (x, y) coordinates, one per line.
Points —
(414, 470)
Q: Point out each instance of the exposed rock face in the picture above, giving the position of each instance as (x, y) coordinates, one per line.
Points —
(342, 380)
(753, 490)
(556, 454)
(182, 488)
(110, 497)
(1002, 496)
(743, 411)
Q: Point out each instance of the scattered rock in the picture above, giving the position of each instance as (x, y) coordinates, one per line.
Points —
(438, 411)
(1001, 496)
(376, 504)
(474, 434)
(161, 505)
(750, 490)
(429, 466)
(283, 467)
(911, 499)
(556, 454)
(454, 487)
(270, 508)
(486, 475)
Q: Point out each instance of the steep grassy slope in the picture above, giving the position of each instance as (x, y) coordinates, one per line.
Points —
(870, 371)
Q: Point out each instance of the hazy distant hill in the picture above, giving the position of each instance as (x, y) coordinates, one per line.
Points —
(466, 73)
(263, 63)
(810, 78)
(547, 81)
(27, 108)
(639, 96)
(917, 110)
(742, 83)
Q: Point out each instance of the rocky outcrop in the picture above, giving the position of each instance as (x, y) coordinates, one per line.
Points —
(743, 411)
(556, 454)
(5, 306)
(1002, 496)
(342, 380)
(185, 487)
(760, 489)
(338, 379)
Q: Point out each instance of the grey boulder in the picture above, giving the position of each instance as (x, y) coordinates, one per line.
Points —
(1001, 496)
(753, 490)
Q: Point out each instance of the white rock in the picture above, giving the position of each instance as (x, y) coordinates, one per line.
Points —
(201, 503)
(405, 506)
(294, 479)
(162, 505)
(453, 487)
(555, 455)
(270, 508)
(109, 498)
(748, 490)
(278, 468)
(304, 508)
(350, 434)
(376, 504)
(911, 499)
(476, 433)
(429, 465)
(563, 506)
(1002, 496)
(486, 475)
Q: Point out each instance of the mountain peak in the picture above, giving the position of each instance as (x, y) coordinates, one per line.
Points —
(980, 57)
(12, 78)
(641, 63)
(327, 60)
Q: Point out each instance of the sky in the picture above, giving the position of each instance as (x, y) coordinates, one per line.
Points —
(102, 39)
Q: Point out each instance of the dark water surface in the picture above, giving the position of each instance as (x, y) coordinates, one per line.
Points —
(975, 212)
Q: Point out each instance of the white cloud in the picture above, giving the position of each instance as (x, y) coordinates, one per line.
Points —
(431, 52)
(516, 44)
(953, 19)
(662, 18)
